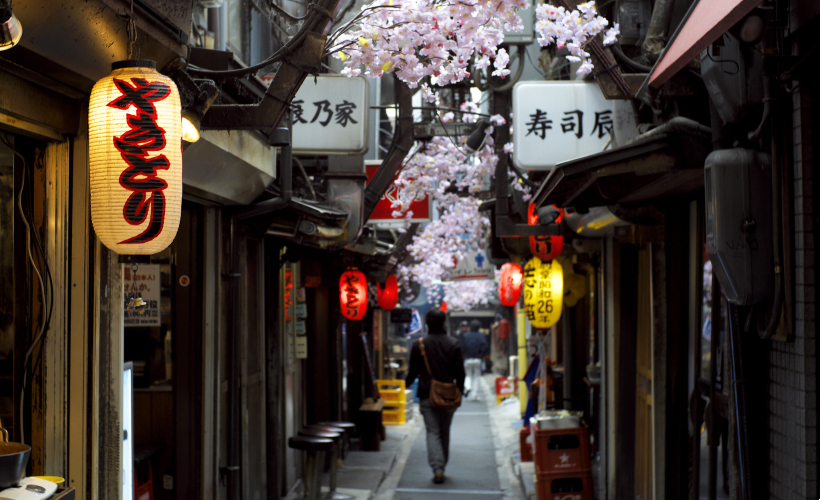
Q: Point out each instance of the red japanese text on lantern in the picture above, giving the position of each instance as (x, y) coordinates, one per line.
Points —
(353, 295)
(144, 136)
(509, 284)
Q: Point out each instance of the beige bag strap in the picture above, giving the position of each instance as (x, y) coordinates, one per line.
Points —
(424, 355)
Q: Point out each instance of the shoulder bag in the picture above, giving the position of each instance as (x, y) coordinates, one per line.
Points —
(443, 395)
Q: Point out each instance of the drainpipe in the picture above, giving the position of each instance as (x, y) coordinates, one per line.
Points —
(221, 42)
(739, 399)
(656, 35)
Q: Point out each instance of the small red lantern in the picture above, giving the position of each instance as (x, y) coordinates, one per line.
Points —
(353, 294)
(388, 296)
(443, 306)
(509, 284)
(545, 248)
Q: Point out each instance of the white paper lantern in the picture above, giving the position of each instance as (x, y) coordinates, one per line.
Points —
(135, 158)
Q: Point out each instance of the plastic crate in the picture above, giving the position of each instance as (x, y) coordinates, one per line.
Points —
(394, 416)
(144, 491)
(525, 447)
(392, 391)
(572, 486)
(562, 450)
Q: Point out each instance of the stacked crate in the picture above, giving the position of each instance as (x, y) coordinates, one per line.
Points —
(562, 464)
(397, 411)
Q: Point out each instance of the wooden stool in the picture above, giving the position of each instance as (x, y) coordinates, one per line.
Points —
(315, 447)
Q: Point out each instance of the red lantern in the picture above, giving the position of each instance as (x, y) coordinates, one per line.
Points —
(509, 284)
(545, 248)
(353, 294)
(388, 296)
(443, 306)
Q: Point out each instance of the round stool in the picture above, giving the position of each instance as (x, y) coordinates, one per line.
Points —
(324, 431)
(350, 431)
(315, 448)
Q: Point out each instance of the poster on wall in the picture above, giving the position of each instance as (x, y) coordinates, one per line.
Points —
(141, 291)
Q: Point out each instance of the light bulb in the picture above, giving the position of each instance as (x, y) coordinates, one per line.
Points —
(190, 126)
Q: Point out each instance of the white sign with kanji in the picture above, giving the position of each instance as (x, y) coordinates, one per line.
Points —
(141, 281)
(331, 115)
(558, 121)
(474, 266)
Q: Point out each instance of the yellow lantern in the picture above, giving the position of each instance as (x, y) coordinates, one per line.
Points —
(135, 158)
(543, 292)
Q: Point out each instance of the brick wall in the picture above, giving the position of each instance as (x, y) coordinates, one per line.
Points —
(792, 371)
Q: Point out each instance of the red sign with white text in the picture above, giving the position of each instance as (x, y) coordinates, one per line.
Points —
(384, 208)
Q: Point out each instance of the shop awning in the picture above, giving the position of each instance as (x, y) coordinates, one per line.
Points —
(705, 22)
(665, 163)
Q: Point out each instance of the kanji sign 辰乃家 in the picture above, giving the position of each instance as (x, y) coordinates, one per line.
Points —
(331, 116)
(559, 121)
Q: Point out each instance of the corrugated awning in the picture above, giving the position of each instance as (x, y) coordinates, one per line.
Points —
(705, 22)
(665, 164)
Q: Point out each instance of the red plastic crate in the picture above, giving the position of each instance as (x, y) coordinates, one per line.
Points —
(571, 486)
(562, 450)
(526, 448)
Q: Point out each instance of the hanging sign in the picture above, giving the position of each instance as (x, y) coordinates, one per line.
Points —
(473, 267)
(509, 284)
(383, 211)
(559, 121)
(353, 295)
(545, 247)
(141, 290)
(135, 158)
(543, 292)
(331, 116)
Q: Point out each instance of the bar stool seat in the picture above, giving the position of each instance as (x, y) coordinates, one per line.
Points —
(349, 427)
(320, 434)
(325, 428)
(308, 443)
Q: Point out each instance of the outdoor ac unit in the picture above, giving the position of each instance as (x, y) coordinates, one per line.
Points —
(739, 223)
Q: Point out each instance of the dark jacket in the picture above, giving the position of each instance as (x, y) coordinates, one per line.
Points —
(446, 361)
(473, 345)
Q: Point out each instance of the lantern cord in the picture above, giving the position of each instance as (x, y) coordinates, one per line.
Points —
(131, 29)
(46, 293)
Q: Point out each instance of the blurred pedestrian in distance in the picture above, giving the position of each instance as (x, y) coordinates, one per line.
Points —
(474, 346)
(446, 364)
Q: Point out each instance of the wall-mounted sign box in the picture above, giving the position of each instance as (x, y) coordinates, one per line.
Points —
(383, 212)
(331, 116)
(474, 266)
(559, 121)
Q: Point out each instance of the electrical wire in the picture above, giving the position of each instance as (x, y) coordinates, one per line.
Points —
(46, 293)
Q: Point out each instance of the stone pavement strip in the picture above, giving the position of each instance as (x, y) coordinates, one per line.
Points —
(479, 467)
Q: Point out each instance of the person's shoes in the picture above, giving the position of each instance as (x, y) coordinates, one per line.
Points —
(438, 477)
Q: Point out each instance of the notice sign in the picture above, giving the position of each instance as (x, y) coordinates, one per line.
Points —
(331, 115)
(141, 282)
(383, 212)
(559, 121)
(474, 266)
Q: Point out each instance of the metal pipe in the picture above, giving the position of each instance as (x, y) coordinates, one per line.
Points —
(287, 163)
(221, 42)
(628, 61)
(657, 33)
(713, 364)
(567, 361)
(738, 390)
(677, 124)
(234, 416)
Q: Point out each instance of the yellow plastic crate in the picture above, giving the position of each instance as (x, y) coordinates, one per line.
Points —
(394, 416)
(392, 391)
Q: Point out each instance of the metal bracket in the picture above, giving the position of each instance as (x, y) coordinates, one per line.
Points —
(426, 131)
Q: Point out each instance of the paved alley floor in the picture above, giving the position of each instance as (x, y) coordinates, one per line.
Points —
(473, 467)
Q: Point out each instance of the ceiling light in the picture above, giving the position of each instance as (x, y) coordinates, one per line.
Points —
(751, 29)
(10, 28)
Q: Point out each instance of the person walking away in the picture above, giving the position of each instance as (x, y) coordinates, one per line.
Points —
(474, 347)
(444, 363)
